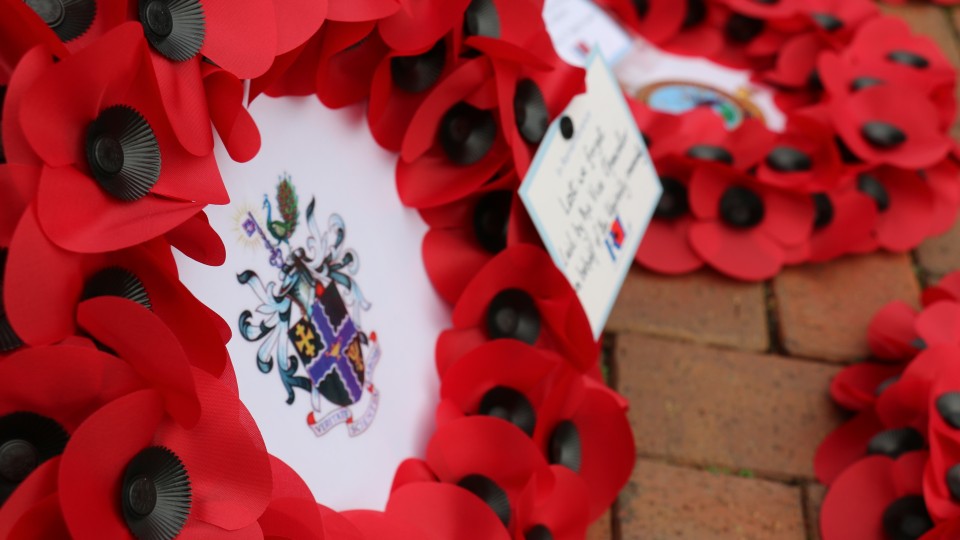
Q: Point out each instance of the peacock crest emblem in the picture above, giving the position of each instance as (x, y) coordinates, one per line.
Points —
(308, 320)
(288, 211)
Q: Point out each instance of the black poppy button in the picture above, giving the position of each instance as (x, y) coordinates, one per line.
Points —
(895, 442)
(155, 494)
(696, 13)
(674, 202)
(953, 482)
(824, 210)
(814, 82)
(490, 493)
(491, 216)
(908, 58)
(864, 82)
(26, 440)
(741, 207)
(481, 19)
(116, 281)
(883, 135)
(415, 74)
(709, 152)
(948, 406)
(846, 154)
(175, 28)
(566, 127)
(886, 383)
(8, 338)
(906, 518)
(565, 446)
(530, 111)
(918, 343)
(467, 133)
(641, 8)
(18, 458)
(123, 153)
(510, 405)
(873, 188)
(827, 22)
(512, 314)
(742, 29)
(538, 532)
(69, 19)
(788, 159)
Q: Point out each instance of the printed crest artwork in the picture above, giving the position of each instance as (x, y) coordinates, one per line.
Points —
(678, 97)
(308, 321)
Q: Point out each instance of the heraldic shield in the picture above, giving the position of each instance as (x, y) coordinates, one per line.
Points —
(329, 346)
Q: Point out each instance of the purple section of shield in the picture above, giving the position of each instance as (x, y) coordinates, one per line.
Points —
(325, 362)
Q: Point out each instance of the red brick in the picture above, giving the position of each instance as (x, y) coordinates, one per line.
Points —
(703, 307)
(601, 529)
(665, 502)
(813, 499)
(710, 407)
(940, 255)
(824, 309)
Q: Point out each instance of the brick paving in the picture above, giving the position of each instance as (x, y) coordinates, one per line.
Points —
(728, 381)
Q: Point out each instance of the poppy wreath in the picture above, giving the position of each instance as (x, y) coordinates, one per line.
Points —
(865, 161)
(119, 409)
(892, 469)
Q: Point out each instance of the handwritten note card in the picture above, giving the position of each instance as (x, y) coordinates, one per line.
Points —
(592, 190)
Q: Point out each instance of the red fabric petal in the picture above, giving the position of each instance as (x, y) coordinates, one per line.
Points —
(947, 289)
(452, 512)
(891, 334)
(16, 148)
(234, 124)
(748, 255)
(44, 520)
(18, 187)
(856, 387)
(854, 505)
(451, 259)
(665, 249)
(421, 23)
(361, 10)
(91, 471)
(41, 483)
(181, 88)
(844, 446)
(141, 338)
(379, 525)
(107, 223)
(242, 41)
(196, 239)
(297, 21)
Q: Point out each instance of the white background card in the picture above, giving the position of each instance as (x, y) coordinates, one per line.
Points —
(330, 158)
(592, 192)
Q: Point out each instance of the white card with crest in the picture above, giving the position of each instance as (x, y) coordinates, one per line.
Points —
(592, 190)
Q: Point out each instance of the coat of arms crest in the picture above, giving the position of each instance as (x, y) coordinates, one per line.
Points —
(309, 318)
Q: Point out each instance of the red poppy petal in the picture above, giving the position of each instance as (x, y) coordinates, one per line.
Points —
(361, 10)
(379, 525)
(452, 512)
(845, 445)
(747, 255)
(18, 187)
(241, 41)
(906, 222)
(337, 527)
(297, 21)
(891, 332)
(421, 23)
(433, 179)
(86, 380)
(148, 345)
(451, 259)
(414, 470)
(181, 88)
(939, 324)
(854, 505)
(291, 518)
(45, 520)
(91, 471)
(196, 239)
(15, 145)
(40, 315)
(41, 483)
(215, 450)
(234, 124)
(788, 218)
(665, 249)
(947, 288)
(102, 223)
(856, 387)
(198, 530)
(564, 511)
